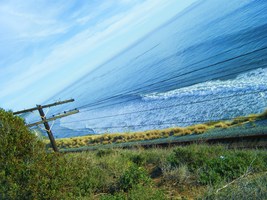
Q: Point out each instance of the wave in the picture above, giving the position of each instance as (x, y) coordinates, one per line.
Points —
(255, 80)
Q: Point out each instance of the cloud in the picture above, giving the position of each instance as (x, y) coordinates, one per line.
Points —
(20, 21)
(71, 45)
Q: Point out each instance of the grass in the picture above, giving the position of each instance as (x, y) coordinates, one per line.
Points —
(195, 171)
(250, 187)
(27, 171)
(104, 139)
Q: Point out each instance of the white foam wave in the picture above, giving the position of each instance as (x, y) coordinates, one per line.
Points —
(208, 101)
(250, 81)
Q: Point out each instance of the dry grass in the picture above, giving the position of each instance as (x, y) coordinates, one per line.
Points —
(104, 139)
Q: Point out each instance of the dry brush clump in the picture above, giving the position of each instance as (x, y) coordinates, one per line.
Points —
(175, 175)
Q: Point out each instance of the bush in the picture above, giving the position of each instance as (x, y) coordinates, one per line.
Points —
(19, 149)
(26, 170)
(132, 177)
(137, 193)
(104, 152)
(138, 159)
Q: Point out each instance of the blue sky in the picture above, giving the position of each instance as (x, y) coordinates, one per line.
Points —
(46, 44)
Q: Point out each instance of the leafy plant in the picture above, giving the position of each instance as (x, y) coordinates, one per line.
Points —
(134, 176)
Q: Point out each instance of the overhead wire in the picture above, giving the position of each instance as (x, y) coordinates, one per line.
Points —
(138, 97)
(137, 91)
(120, 94)
(187, 73)
(165, 123)
(166, 107)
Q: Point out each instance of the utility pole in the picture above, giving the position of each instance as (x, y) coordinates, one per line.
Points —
(45, 120)
(47, 128)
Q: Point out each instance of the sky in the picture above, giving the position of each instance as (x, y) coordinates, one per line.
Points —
(46, 45)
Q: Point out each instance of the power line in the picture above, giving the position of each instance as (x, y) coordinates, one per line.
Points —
(164, 123)
(190, 65)
(205, 67)
(136, 98)
(166, 107)
(91, 105)
(173, 78)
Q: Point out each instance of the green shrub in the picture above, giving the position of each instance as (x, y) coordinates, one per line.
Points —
(104, 152)
(117, 196)
(138, 159)
(132, 177)
(193, 156)
(213, 164)
(26, 170)
(19, 149)
(137, 193)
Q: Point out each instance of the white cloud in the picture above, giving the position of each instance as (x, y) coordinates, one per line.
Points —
(21, 22)
(81, 46)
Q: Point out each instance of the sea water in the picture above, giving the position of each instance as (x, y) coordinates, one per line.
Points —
(207, 63)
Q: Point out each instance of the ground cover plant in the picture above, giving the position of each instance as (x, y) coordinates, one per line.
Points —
(103, 139)
(27, 171)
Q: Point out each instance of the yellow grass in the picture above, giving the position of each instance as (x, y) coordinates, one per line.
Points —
(153, 134)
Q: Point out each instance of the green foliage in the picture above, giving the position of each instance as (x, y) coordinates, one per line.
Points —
(250, 188)
(138, 159)
(104, 152)
(27, 171)
(215, 164)
(18, 153)
(137, 193)
(193, 156)
(134, 176)
(117, 196)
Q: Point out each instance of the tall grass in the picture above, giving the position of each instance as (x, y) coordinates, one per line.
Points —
(104, 139)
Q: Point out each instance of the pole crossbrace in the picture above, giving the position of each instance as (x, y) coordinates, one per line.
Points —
(44, 106)
(45, 121)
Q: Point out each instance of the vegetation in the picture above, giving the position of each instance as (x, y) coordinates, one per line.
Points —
(250, 187)
(196, 171)
(104, 139)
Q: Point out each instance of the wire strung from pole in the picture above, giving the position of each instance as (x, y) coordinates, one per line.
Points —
(44, 129)
(216, 55)
(91, 105)
(136, 98)
(165, 123)
(52, 125)
(167, 107)
(162, 123)
(186, 73)
(48, 109)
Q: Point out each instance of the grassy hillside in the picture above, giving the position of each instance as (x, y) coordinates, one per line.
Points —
(196, 171)
(115, 138)
(27, 171)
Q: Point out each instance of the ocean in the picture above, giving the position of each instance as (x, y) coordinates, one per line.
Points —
(207, 63)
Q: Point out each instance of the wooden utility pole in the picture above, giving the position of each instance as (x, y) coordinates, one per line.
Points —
(47, 128)
(45, 120)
